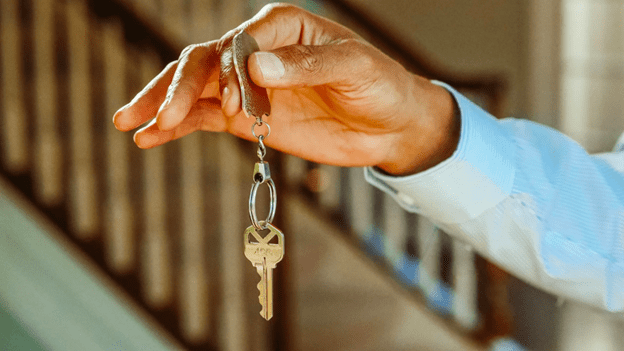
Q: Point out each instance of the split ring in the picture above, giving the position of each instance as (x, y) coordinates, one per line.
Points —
(260, 225)
(253, 129)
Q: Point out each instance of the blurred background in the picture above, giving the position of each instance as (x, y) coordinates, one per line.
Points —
(107, 247)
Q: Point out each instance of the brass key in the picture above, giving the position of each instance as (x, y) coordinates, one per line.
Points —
(264, 255)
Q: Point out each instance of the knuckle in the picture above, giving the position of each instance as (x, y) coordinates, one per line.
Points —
(192, 50)
(366, 61)
(226, 71)
(305, 59)
(226, 58)
(187, 50)
(171, 64)
(225, 42)
(280, 8)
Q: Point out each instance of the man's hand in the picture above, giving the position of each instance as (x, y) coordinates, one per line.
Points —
(335, 99)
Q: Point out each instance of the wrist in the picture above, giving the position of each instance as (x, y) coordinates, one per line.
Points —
(431, 138)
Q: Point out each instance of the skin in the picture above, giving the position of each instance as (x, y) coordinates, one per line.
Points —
(340, 100)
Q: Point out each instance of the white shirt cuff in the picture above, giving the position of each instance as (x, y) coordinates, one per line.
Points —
(478, 175)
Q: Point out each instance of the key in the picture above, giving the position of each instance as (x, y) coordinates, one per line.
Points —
(264, 255)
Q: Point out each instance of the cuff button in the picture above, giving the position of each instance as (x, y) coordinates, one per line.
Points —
(406, 199)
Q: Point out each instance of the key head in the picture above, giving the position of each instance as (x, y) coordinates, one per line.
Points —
(255, 100)
(260, 250)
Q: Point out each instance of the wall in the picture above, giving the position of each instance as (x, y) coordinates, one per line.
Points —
(467, 37)
(592, 72)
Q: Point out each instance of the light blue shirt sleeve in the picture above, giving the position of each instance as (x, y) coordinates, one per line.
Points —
(529, 199)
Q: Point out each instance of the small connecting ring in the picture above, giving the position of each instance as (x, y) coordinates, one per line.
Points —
(261, 148)
(253, 129)
(260, 225)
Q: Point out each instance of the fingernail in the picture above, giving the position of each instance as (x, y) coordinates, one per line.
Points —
(225, 97)
(270, 65)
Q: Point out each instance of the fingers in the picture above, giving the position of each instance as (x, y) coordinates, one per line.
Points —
(276, 25)
(341, 64)
(183, 83)
(228, 83)
(145, 104)
(265, 26)
(205, 115)
(196, 65)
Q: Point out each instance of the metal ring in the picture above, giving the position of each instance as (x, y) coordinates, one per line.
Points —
(260, 225)
(253, 127)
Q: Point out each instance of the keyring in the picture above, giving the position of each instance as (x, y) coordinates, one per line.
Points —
(272, 204)
(256, 123)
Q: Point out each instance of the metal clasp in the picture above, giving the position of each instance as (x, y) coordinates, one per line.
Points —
(262, 175)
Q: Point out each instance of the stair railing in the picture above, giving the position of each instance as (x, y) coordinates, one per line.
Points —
(160, 221)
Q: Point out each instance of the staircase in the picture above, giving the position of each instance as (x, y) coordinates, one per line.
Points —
(162, 223)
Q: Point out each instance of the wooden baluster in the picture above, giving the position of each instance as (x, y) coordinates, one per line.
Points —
(395, 229)
(499, 316)
(194, 285)
(156, 266)
(146, 8)
(174, 19)
(83, 198)
(295, 169)
(14, 128)
(211, 213)
(329, 197)
(361, 203)
(233, 331)
(203, 21)
(429, 245)
(465, 283)
(231, 15)
(48, 174)
(412, 247)
(119, 231)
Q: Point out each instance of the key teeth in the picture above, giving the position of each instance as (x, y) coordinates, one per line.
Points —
(261, 298)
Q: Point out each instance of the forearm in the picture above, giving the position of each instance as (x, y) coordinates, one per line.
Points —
(530, 199)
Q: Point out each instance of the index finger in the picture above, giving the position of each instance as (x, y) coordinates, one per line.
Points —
(278, 25)
(197, 64)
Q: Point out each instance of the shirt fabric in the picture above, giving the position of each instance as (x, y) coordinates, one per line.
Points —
(529, 199)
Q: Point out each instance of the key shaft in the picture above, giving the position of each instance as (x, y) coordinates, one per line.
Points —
(265, 288)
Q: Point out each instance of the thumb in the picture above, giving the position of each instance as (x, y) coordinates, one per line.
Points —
(309, 65)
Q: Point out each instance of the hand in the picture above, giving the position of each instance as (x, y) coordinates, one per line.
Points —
(335, 99)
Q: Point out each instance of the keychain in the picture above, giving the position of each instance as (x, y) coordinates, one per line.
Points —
(263, 254)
